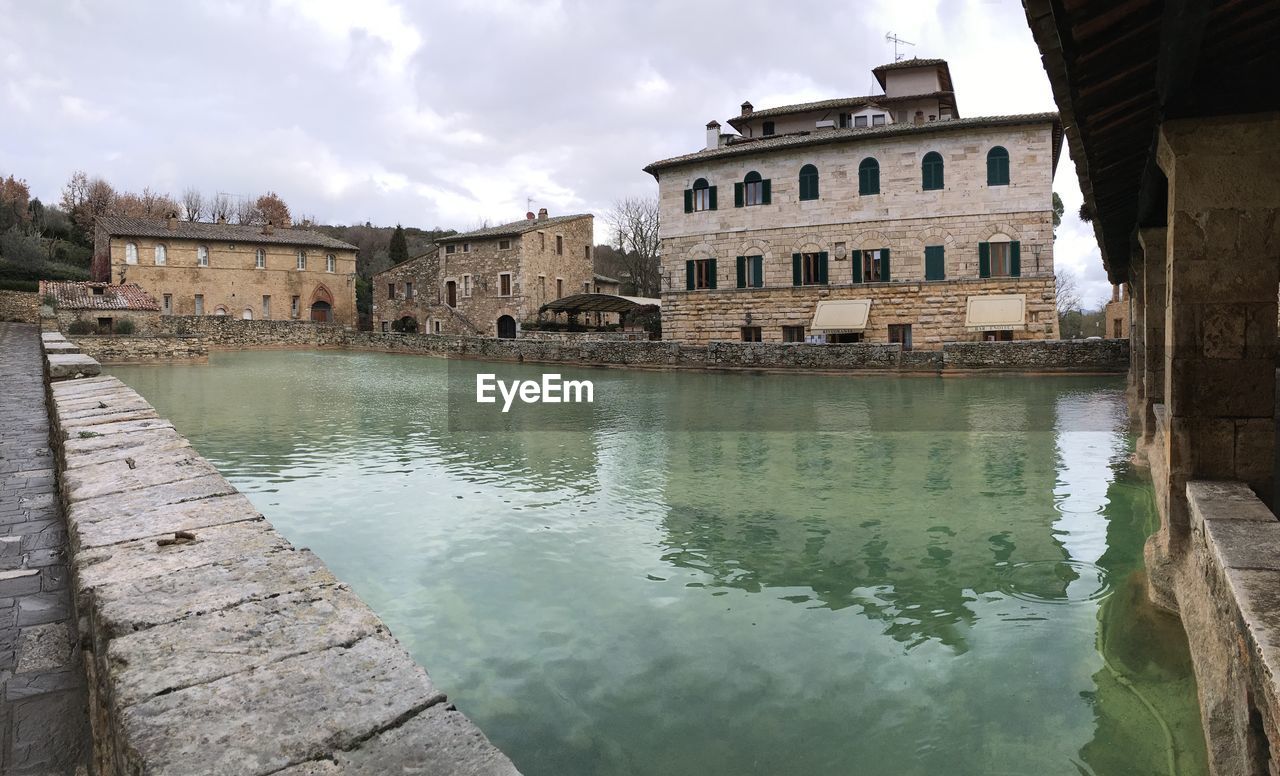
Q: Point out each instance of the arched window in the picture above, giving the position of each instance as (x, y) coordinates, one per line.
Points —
(162, 256)
(260, 259)
(202, 255)
(130, 253)
(931, 171)
(753, 189)
(808, 182)
(302, 259)
(869, 176)
(331, 263)
(998, 167)
(702, 195)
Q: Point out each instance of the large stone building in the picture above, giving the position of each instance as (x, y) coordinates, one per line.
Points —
(488, 281)
(246, 271)
(886, 218)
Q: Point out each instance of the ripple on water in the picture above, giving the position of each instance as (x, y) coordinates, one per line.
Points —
(1055, 581)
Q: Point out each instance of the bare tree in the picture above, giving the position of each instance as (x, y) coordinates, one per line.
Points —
(634, 221)
(193, 204)
(247, 211)
(221, 209)
(87, 198)
(1068, 292)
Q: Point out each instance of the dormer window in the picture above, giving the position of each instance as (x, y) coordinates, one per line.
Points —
(767, 128)
(878, 120)
(859, 121)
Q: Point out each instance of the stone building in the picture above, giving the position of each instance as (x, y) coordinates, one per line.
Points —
(246, 271)
(1115, 316)
(102, 306)
(488, 281)
(886, 218)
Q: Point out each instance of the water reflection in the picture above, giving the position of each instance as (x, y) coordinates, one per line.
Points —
(727, 574)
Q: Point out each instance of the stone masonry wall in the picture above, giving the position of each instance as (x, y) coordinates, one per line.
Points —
(21, 306)
(214, 646)
(118, 349)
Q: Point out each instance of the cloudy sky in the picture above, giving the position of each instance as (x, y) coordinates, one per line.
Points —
(448, 113)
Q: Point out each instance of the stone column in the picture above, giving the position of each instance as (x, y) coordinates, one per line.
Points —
(1137, 345)
(1223, 269)
(1152, 303)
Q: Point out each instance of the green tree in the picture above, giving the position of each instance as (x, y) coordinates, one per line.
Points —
(1057, 212)
(364, 296)
(399, 248)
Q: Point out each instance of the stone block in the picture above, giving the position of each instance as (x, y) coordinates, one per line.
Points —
(1256, 592)
(119, 447)
(92, 431)
(104, 479)
(142, 500)
(70, 366)
(438, 740)
(85, 386)
(1244, 544)
(60, 347)
(258, 721)
(143, 558)
(101, 527)
(45, 648)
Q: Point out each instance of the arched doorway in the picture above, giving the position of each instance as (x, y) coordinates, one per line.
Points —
(247, 314)
(220, 310)
(405, 325)
(506, 327)
(451, 293)
(322, 305)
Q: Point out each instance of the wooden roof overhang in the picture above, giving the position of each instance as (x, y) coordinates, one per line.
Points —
(1119, 68)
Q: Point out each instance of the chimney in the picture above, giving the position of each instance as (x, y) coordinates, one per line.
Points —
(542, 214)
(529, 215)
(747, 108)
(713, 134)
(267, 228)
(222, 219)
(173, 220)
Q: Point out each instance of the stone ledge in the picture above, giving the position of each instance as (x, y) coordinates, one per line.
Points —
(68, 366)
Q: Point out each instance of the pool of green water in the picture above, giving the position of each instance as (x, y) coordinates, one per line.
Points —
(904, 576)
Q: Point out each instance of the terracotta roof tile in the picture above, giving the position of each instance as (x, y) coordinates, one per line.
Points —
(119, 226)
(71, 295)
(512, 229)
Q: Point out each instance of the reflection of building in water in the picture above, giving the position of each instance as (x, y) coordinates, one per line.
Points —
(907, 525)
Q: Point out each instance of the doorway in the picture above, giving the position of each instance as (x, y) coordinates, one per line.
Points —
(506, 327)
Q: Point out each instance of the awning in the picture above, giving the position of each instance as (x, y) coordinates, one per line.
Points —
(835, 316)
(599, 303)
(996, 312)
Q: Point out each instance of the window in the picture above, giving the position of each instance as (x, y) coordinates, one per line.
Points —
(105, 325)
(1117, 324)
(559, 245)
(997, 167)
(844, 338)
(466, 247)
(302, 259)
(130, 253)
(869, 176)
(586, 253)
(294, 305)
(793, 334)
(466, 285)
(809, 269)
(266, 306)
(542, 287)
(859, 121)
(701, 197)
(330, 263)
(437, 325)
(167, 304)
(542, 241)
(199, 304)
(873, 266)
(935, 264)
(202, 255)
(901, 334)
(162, 255)
(753, 190)
(878, 120)
(997, 336)
(750, 271)
(408, 292)
(559, 287)
(699, 273)
(767, 128)
(449, 249)
(260, 259)
(999, 260)
(504, 284)
(931, 171)
(808, 182)
(386, 326)
(504, 245)
(391, 290)
(751, 334)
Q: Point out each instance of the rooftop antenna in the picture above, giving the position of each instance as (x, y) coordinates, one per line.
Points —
(889, 36)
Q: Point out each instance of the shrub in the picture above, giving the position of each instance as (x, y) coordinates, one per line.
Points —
(124, 326)
(49, 300)
(80, 327)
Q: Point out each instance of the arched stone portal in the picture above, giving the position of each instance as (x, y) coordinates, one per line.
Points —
(322, 305)
(406, 325)
(506, 327)
(247, 314)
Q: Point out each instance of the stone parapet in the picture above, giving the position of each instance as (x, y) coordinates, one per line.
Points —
(120, 349)
(20, 306)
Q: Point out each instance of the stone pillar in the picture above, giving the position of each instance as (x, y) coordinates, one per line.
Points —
(1223, 269)
(1137, 346)
(1151, 298)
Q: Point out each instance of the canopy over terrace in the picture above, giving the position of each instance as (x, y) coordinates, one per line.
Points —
(598, 303)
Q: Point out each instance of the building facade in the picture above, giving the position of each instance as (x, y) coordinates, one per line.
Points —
(246, 271)
(1115, 316)
(102, 308)
(884, 219)
(488, 281)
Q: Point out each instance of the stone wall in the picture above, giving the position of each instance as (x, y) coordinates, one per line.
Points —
(118, 349)
(145, 322)
(581, 336)
(228, 332)
(211, 644)
(1060, 355)
(21, 306)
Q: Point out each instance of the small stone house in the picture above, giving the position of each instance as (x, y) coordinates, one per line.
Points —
(103, 307)
(1115, 316)
(488, 281)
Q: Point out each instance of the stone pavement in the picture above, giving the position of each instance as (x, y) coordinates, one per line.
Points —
(44, 727)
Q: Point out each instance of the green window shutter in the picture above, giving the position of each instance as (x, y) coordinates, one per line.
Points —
(765, 193)
(884, 266)
(712, 196)
(711, 272)
(742, 272)
(822, 267)
(737, 195)
(984, 260)
(855, 258)
(935, 263)
(688, 275)
(758, 270)
(1015, 259)
(796, 278)
(688, 200)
